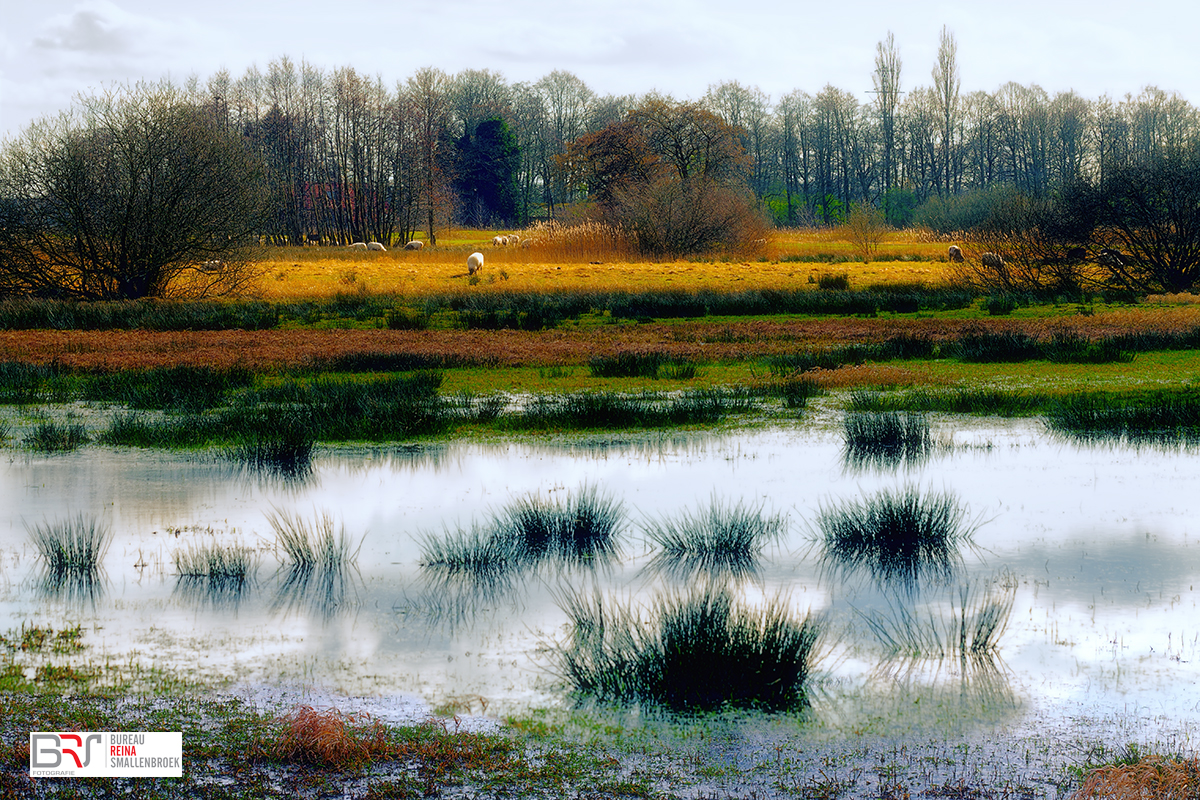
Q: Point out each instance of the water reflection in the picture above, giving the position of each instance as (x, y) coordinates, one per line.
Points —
(316, 591)
(884, 441)
(216, 592)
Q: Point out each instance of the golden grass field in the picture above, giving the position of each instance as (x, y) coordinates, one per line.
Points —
(318, 272)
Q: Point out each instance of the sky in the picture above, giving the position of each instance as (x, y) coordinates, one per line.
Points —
(52, 50)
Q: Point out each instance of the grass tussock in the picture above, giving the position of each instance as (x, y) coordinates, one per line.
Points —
(50, 436)
(723, 539)
(642, 365)
(1159, 418)
(885, 439)
(317, 544)
(696, 651)
(72, 545)
(599, 410)
(582, 528)
(214, 561)
(897, 537)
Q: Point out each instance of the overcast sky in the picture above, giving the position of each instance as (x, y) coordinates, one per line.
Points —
(50, 50)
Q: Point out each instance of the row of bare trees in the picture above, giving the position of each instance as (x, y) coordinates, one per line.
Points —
(351, 158)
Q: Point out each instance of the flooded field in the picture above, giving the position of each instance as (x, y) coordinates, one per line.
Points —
(1086, 556)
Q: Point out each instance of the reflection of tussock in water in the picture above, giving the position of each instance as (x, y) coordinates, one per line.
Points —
(964, 623)
(966, 686)
(317, 591)
(218, 592)
(74, 587)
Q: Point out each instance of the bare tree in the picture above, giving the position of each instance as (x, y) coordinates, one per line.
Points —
(134, 193)
(427, 90)
(886, 79)
(946, 85)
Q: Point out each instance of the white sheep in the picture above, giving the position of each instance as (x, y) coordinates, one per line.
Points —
(499, 241)
(992, 261)
(415, 244)
(955, 254)
(474, 263)
(514, 239)
(526, 242)
(358, 246)
(376, 246)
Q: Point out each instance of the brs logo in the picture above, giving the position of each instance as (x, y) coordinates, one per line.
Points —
(48, 750)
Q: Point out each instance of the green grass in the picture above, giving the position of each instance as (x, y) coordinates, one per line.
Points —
(49, 436)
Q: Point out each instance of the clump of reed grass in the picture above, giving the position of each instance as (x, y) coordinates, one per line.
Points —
(179, 388)
(642, 365)
(313, 545)
(321, 564)
(584, 410)
(896, 536)
(211, 560)
(282, 445)
(586, 241)
(50, 436)
(1159, 418)
(724, 538)
(968, 626)
(695, 651)
(890, 438)
(581, 528)
(72, 545)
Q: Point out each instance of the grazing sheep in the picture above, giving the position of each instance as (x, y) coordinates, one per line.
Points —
(526, 242)
(474, 263)
(376, 246)
(414, 245)
(992, 261)
(499, 241)
(514, 239)
(955, 254)
(358, 246)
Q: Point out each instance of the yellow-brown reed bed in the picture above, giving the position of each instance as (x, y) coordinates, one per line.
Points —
(1151, 777)
(593, 256)
(695, 340)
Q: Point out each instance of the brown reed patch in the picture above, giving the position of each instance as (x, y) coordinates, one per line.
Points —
(328, 738)
(712, 341)
(1151, 778)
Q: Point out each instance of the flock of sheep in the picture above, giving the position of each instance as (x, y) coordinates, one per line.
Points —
(475, 260)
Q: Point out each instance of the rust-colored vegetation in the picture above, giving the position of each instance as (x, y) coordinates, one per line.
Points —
(696, 340)
(332, 739)
(1151, 778)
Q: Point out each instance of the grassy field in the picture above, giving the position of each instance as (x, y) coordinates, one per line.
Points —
(788, 260)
